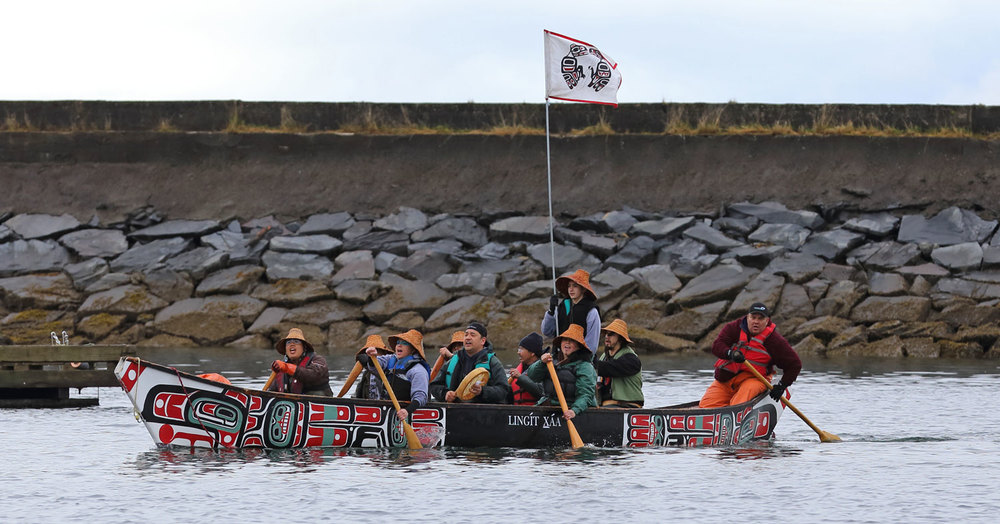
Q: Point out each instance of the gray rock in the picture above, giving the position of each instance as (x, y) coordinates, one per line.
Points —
(147, 256)
(639, 251)
(715, 240)
(5, 233)
(407, 220)
(969, 315)
(394, 242)
(290, 292)
(798, 267)
(655, 281)
(86, 272)
(755, 256)
(642, 312)
(612, 286)
(885, 256)
(906, 308)
(268, 321)
(852, 335)
(321, 244)
(663, 228)
(959, 257)
(106, 282)
(992, 277)
(765, 287)
(612, 222)
(836, 272)
(38, 291)
(359, 291)
(950, 226)
(383, 261)
(195, 319)
(824, 327)
(28, 256)
(600, 246)
(493, 251)
(29, 226)
(739, 226)
(296, 265)
(692, 323)
(241, 249)
(887, 284)
(465, 230)
(128, 300)
(354, 265)
(168, 285)
(721, 282)
(323, 313)
(446, 246)
(459, 312)
(405, 295)
(479, 283)
(840, 298)
(245, 308)
(991, 256)
(177, 228)
(816, 288)
(198, 262)
(327, 223)
(789, 236)
(831, 244)
(267, 224)
(531, 229)
(566, 256)
(967, 288)
(232, 280)
(96, 242)
(877, 225)
(775, 213)
(794, 302)
(361, 227)
(529, 290)
(423, 265)
(928, 270)
(688, 269)
(685, 249)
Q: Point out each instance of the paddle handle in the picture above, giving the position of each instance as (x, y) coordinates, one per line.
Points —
(823, 435)
(411, 436)
(355, 371)
(270, 380)
(437, 367)
(574, 436)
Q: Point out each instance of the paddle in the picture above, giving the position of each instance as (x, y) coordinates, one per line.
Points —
(823, 435)
(437, 367)
(267, 385)
(574, 437)
(350, 379)
(411, 436)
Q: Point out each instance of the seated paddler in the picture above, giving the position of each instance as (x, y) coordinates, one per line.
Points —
(476, 353)
(526, 392)
(405, 369)
(619, 370)
(370, 383)
(575, 373)
(301, 371)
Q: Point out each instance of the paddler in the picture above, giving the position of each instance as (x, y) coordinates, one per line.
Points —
(619, 369)
(370, 383)
(302, 371)
(526, 391)
(406, 370)
(476, 352)
(575, 372)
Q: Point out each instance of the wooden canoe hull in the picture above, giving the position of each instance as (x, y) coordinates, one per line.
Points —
(182, 410)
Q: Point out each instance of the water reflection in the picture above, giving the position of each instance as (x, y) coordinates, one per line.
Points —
(757, 452)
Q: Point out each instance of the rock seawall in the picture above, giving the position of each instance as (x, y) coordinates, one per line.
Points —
(891, 283)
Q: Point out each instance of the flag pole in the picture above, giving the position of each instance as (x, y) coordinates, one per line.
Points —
(552, 222)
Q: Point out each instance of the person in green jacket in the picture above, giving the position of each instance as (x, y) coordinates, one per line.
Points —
(619, 369)
(575, 372)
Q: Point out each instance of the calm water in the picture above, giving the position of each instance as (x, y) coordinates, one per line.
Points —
(920, 445)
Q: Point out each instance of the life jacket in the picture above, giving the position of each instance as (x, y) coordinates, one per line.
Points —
(567, 379)
(521, 395)
(569, 313)
(288, 383)
(754, 351)
(397, 375)
(450, 374)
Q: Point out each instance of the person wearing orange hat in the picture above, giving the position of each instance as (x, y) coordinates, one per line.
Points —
(406, 370)
(578, 307)
(302, 371)
(575, 372)
(370, 383)
(619, 369)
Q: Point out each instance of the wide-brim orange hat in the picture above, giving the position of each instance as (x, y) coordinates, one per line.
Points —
(375, 341)
(295, 333)
(411, 337)
(457, 337)
(579, 276)
(574, 333)
(618, 327)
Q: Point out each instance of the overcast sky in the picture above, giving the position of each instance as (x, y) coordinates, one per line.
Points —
(770, 51)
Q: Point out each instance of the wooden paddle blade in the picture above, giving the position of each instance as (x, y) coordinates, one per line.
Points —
(574, 435)
(355, 371)
(437, 367)
(412, 441)
(823, 435)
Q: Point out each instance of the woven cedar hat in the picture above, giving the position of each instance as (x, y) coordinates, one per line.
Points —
(295, 333)
(618, 327)
(375, 341)
(457, 337)
(411, 337)
(580, 277)
(575, 333)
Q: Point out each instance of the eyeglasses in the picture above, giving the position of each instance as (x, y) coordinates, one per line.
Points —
(403, 342)
(293, 341)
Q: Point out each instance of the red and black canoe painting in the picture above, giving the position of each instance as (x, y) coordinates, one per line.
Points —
(183, 410)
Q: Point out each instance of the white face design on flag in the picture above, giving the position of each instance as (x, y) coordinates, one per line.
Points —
(578, 72)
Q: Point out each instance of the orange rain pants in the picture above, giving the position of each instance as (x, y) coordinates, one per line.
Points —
(741, 388)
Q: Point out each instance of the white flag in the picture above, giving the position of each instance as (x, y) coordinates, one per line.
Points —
(576, 71)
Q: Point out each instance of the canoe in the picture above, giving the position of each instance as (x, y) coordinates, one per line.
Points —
(183, 410)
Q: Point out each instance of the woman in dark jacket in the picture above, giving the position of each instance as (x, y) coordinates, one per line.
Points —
(302, 371)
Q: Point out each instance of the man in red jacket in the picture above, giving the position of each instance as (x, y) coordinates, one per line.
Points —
(749, 341)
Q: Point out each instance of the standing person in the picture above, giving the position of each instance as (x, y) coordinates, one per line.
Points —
(476, 352)
(619, 369)
(575, 372)
(525, 390)
(578, 307)
(302, 371)
(370, 383)
(751, 340)
(406, 370)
